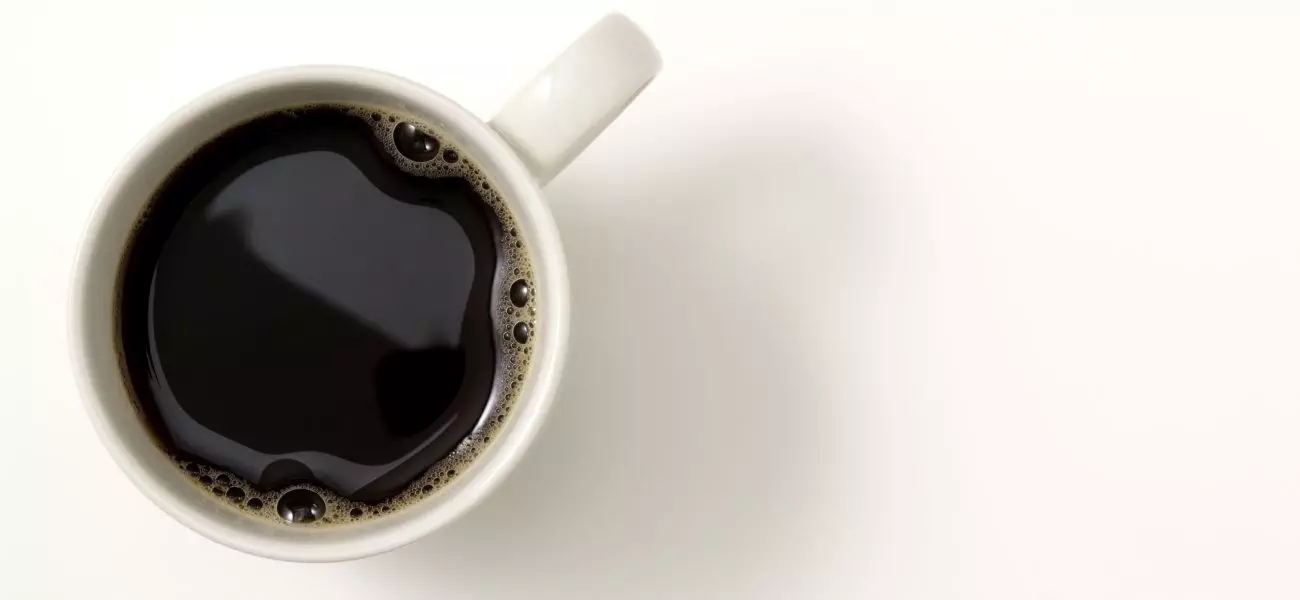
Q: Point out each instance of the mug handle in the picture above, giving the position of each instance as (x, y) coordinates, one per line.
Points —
(556, 115)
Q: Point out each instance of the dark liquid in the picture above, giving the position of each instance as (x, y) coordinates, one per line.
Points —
(296, 309)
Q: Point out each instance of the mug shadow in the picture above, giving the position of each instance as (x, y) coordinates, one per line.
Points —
(675, 458)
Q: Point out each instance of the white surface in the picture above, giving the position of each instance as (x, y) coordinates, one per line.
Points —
(93, 334)
(865, 306)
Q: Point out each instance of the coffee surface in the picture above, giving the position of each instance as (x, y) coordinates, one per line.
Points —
(324, 312)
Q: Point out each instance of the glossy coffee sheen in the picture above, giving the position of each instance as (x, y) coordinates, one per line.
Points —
(296, 309)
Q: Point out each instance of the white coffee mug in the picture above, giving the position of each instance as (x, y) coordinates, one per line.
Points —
(538, 132)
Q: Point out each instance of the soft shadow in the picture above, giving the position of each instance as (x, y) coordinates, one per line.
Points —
(674, 460)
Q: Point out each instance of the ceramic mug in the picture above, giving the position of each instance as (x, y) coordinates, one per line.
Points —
(538, 132)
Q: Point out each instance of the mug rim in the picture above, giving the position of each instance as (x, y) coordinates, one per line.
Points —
(215, 520)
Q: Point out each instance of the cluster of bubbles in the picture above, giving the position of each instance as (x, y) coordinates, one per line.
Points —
(419, 150)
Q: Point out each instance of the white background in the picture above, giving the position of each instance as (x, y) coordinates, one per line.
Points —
(870, 301)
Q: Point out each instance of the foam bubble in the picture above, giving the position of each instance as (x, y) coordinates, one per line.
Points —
(520, 292)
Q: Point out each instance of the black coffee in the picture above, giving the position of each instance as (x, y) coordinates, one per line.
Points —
(325, 313)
